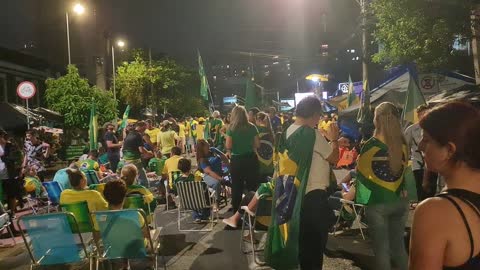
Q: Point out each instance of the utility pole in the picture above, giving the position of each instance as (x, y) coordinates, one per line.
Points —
(476, 41)
(363, 5)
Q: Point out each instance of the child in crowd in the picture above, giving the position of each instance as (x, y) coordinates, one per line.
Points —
(185, 167)
(129, 175)
(156, 164)
(32, 184)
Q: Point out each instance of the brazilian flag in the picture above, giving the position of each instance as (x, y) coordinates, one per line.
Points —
(295, 158)
(125, 118)
(413, 99)
(376, 183)
(93, 127)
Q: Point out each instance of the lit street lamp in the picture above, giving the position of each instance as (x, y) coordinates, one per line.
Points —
(78, 9)
(120, 44)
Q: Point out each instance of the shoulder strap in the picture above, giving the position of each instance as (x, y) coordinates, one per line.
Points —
(459, 209)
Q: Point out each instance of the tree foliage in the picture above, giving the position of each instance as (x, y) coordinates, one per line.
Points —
(420, 31)
(174, 87)
(71, 95)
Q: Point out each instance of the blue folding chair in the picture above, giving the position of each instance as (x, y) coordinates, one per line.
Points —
(124, 235)
(53, 193)
(52, 241)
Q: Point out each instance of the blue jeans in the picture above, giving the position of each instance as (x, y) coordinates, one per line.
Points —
(213, 184)
(203, 214)
(386, 225)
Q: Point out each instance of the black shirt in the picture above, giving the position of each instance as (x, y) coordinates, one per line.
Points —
(110, 136)
(131, 144)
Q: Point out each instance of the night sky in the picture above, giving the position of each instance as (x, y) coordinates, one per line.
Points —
(221, 29)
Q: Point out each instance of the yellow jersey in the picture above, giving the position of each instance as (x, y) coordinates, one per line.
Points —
(200, 131)
(153, 134)
(171, 165)
(181, 130)
(93, 198)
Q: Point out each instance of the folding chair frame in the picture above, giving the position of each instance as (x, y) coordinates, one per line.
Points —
(7, 226)
(38, 263)
(212, 220)
(154, 244)
(357, 215)
(251, 229)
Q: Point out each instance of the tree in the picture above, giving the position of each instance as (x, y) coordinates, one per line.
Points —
(420, 31)
(174, 87)
(71, 95)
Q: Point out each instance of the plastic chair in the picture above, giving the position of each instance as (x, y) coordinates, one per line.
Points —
(82, 216)
(52, 241)
(264, 209)
(53, 192)
(194, 196)
(123, 234)
(135, 201)
(5, 223)
(92, 177)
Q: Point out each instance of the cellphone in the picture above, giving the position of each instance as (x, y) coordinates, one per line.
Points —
(345, 187)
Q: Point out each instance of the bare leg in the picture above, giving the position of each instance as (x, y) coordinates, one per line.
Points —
(233, 220)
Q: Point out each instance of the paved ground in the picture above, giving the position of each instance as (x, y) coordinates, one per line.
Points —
(218, 249)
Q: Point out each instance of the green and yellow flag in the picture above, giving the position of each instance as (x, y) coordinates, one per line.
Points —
(364, 114)
(352, 98)
(203, 78)
(93, 127)
(251, 99)
(125, 118)
(413, 99)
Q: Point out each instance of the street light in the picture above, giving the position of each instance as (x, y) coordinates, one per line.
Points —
(120, 44)
(78, 9)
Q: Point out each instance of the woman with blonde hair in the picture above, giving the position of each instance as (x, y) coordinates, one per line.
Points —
(381, 188)
(242, 142)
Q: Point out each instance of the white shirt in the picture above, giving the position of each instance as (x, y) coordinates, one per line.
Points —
(319, 177)
(3, 169)
(413, 136)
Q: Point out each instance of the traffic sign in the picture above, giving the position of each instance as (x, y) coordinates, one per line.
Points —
(26, 90)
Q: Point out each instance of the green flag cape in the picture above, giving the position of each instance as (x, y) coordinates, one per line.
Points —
(375, 181)
(93, 127)
(295, 158)
(413, 99)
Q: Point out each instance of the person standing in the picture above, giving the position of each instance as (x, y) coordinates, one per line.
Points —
(182, 135)
(300, 223)
(166, 138)
(217, 124)
(413, 136)
(276, 122)
(10, 171)
(446, 229)
(242, 142)
(152, 132)
(381, 187)
(113, 147)
(36, 152)
(133, 150)
(266, 149)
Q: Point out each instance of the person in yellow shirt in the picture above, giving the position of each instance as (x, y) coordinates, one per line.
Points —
(152, 132)
(324, 124)
(182, 135)
(171, 165)
(129, 175)
(166, 138)
(79, 192)
(201, 129)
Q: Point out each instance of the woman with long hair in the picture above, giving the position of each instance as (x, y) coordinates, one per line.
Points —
(446, 228)
(242, 141)
(266, 149)
(212, 172)
(381, 187)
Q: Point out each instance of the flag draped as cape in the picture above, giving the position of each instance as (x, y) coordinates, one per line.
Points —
(295, 158)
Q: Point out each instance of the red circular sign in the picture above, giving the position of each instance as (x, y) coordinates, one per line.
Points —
(26, 90)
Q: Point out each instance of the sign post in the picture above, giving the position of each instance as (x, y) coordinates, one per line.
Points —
(26, 90)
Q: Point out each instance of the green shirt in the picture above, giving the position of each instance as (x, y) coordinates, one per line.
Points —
(156, 165)
(88, 164)
(243, 139)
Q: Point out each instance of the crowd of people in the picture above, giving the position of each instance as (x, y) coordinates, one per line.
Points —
(254, 154)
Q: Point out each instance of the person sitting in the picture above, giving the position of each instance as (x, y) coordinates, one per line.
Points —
(129, 175)
(156, 164)
(265, 190)
(32, 184)
(170, 171)
(61, 176)
(79, 192)
(348, 193)
(212, 178)
(90, 163)
(347, 153)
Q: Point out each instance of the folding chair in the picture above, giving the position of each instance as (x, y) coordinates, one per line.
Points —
(52, 240)
(122, 236)
(264, 210)
(53, 192)
(92, 177)
(82, 216)
(194, 196)
(358, 210)
(134, 201)
(5, 223)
